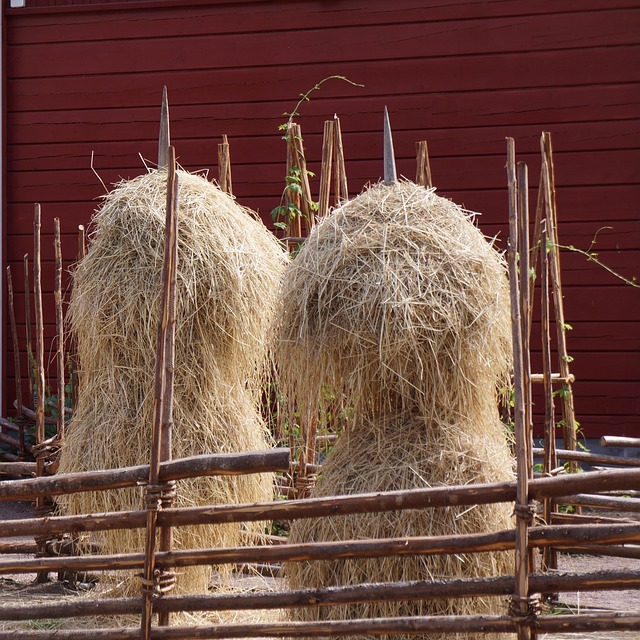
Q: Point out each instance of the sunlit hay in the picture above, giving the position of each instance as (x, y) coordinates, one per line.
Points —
(398, 300)
(408, 452)
(229, 268)
(400, 303)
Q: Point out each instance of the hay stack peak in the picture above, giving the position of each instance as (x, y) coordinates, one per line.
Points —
(397, 298)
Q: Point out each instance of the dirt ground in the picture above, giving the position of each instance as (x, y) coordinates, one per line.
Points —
(21, 587)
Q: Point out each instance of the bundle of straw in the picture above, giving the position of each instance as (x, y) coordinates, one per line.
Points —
(229, 268)
(399, 302)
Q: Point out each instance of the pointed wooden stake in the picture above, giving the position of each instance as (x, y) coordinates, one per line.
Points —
(423, 168)
(156, 493)
(224, 166)
(164, 139)
(325, 172)
(520, 598)
(390, 175)
(60, 365)
(340, 175)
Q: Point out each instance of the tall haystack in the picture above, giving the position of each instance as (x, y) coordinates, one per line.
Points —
(229, 269)
(399, 302)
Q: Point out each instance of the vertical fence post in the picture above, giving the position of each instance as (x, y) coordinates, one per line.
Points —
(154, 584)
(520, 606)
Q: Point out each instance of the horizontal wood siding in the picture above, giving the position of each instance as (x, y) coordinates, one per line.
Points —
(84, 78)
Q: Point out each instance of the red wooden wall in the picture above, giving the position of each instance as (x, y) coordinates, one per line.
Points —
(86, 77)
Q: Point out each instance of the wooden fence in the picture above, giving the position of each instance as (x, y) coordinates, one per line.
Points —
(157, 559)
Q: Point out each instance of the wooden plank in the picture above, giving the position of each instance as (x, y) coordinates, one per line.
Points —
(351, 42)
(582, 108)
(614, 167)
(120, 144)
(196, 19)
(227, 82)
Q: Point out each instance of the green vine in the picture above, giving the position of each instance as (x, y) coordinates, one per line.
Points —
(284, 214)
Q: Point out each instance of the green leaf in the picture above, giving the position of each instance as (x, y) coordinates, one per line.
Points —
(278, 212)
(280, 225)
(567, 358)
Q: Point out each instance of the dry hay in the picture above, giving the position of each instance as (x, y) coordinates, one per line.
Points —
(229, 268)
(398, 301)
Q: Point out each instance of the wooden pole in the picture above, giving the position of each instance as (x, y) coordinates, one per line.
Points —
(75, 380)
(27, 326)
(549, 559)
(292, 196)
(525, 296)
(535, 245)
(617, 441)
(520, 604)
(423, 167)
(43, 505)
(593, 535)
(419, 625)
(220, 464)
(164, 136)
(341, 187)
(16, 361)
(224, 166)
(325, 171)
(539, 488)
(167, 578)
(151, 587)
(300, 161)
(59, 331)
(374, 592)
(566, 399)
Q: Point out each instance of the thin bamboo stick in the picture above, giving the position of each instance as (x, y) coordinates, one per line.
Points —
(300, 160)
(520, 604)
(224, 166)
(42, 503)
(535, 245)
(341, 187)
(567, 404)
(27, 325)
(549, 559)
(162, 400)
(292, 196)
(525, 295)
(325, 171)
(81, 253)
(59, 330)
(423, 167)
(16, 361)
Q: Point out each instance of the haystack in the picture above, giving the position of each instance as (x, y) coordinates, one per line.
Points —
(399, 302)
(229, 268)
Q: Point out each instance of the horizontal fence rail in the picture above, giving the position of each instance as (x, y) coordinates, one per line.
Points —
(219, 464)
